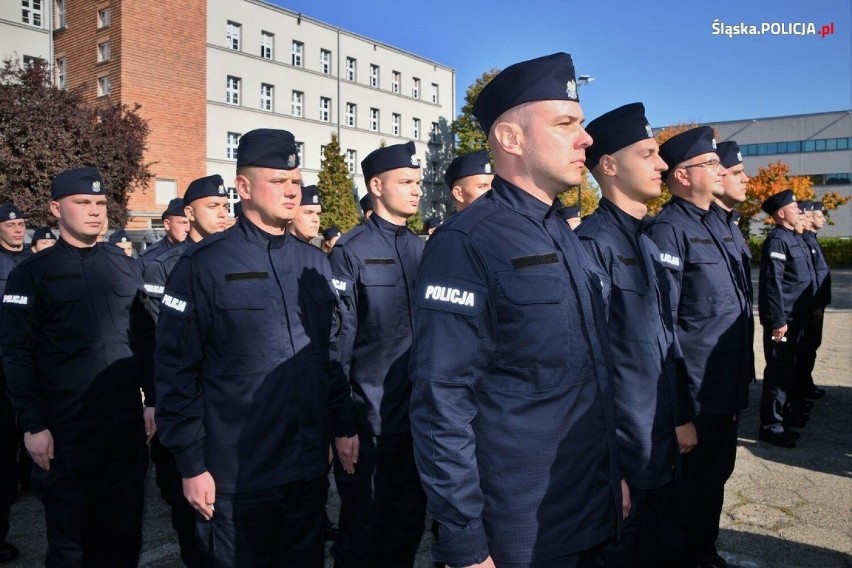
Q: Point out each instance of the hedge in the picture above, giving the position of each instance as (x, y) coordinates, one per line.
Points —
(838, 252)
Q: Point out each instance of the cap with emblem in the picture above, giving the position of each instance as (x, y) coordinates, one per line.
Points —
(389, 158)
(330, 233)
(268, 148)
(9, 212)
(366, 204)
(548, 78)
(570, 212)
(775, 202)
(85, 181)
(805, 206)
(477, 163)
(729, 153)
(210, 186)
(686, 145)
(118, 236)
(310, 195)
(819, 206)
(43, 234)
(174, 209)
(615, 130)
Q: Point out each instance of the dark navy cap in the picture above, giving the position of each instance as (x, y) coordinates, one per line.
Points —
(310, 195)
(210, 186)
(268, 148)
(615, 130)
(366, 203)
(432, 223)
(777, 201)
(43, 234)
(389, 158)
(119, 236)
(238, 209)
(473, 164)
(686, 145)
(9, 212)
(729, 153)
(548, 78)
(86, 181)
(819, 206)
(569, 212)
(805, 206)
(175, 208)
(331, 232)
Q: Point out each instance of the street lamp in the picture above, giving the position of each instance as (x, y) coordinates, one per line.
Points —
(582, 81)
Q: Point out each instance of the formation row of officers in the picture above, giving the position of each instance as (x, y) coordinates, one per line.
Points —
(559, 399)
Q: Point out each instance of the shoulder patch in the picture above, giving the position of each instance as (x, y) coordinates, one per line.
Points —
(671, 260)
(343, 286)
(207, 241)
(154, 289)
(16, 300)
(174, 303)
(778, 255)
(451, 295)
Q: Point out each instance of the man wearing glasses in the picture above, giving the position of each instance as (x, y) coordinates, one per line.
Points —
(712, 329)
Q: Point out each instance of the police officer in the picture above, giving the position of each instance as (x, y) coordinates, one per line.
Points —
(512, 407)
(712, 328)
(822, 299)
(786, 291)
(329, 238)
(249, 394)
(469, 176)
(121, 239)
(571, 214)
(383, 508)
(76, 349)
(42, 238)
(176, 226)
(653, 414)
(366, 204)
(305, 225)
(207, 205)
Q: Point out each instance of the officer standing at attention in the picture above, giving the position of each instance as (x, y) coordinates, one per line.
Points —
(383, 508)
(712, 330)
(512, 407)
(207, 205)
(469, 176)
(42, 238)
(366, 204)
(652, 410)
(822, 299)
(176, 226)
(305, 225)
(249, 394)
(76, 349)
(786, 291)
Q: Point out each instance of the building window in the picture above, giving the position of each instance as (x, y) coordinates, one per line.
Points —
(266, 94)
(60, 14)
(435, 93)
(434, 168)
(165, 190)
(103, 86)
(325, 109)
(351, 160)
(103, 18)
(415, 128)
(31, 12)
(435, 133)
(60, 73)
(351, 114)
(351, 69)
(325, 61)
(374, 119)
(396, 124)
(233, 144)
(300, 151)
(374, 76)
(395, 81)
(322, 154)
(103, 52)
(233, 35)
(267, 43)
(232, 90)
(30, 60)
(415, 88)
(297, 100)
(233, 199)
(298, 50)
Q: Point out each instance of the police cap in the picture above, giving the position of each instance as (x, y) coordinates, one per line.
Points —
(775, 202)
(615, 130)
(86, 181)
(389, 158)
(43, 234)
(310, 195)
(686, 145)
(174, 209)
(819, 206)
(268, 148)
(331, 232)
(468, 165)
(729, 153)
(805, 206)
(210, 186)
(366, 203)
(119, 236)
(9, 212)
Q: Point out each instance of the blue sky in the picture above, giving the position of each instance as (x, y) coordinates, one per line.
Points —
(660, 52)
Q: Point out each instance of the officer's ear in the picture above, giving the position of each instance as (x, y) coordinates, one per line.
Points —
(242, 183)
(55, 210)
(508, 137)
(607, 165)
(189, 212)
(457, 193)
(376, 185)
(681, 176)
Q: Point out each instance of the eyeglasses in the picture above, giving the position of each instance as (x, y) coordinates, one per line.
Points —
(709, 164)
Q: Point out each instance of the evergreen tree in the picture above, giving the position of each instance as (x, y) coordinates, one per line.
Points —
(469, 136)
(335, 189)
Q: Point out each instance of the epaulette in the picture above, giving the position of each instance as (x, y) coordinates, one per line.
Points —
(478, 211)
(206, 242)
(591, 226)
(349, 235)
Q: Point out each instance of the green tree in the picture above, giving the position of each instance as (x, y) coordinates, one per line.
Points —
(469, 135)
(590, 194)
(335, 189)
(45, 130)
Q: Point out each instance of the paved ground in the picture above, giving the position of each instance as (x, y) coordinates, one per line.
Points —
(784, 508)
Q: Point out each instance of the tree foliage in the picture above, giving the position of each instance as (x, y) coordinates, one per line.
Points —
(45, 130)
(590, 195)
(469, 135)
(335, 189)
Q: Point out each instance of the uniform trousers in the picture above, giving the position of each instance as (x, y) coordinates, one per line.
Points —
(383, 506)
(806, 360)
(268, 528)
(8, 462)
(93, 495)
(779, 376)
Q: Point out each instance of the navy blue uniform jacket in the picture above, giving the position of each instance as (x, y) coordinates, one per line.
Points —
(822, 298)
(155, 274)
(710, 306)
(77, 342)
(512, 408)
(648, 387)
(787, 280)
(247, 382)
(374, 267)
(154, 251)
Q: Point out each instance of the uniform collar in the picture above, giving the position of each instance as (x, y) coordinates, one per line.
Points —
(690, 208)
(620, 218)
(385, 226)
(77, 251)
(519, 200)
(258, 236)
(720, 211)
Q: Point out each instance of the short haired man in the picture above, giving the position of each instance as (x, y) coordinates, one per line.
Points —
(383, 508)
(329, 238)
(786, 291)
(249, 394)
(76, 349)
(176, 226)
(512, 401)
(653, 415)
(305, 225)
(469, 176)
(366, 204)
(121, 239)
(712, 329)
(42, 238)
